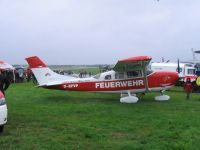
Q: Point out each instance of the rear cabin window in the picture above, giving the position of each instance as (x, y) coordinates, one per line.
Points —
(108, 77)
(119, 76)
(136, 73)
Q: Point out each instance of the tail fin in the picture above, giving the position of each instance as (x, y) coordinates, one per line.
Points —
(44, 75)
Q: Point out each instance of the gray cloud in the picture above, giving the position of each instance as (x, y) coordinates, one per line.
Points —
(92, 31)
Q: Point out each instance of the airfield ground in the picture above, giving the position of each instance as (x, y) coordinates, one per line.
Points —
(48, 119)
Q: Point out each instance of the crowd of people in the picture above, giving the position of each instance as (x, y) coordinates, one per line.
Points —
(84, 74)
(19, 75)
(15, 76)
(81, 74)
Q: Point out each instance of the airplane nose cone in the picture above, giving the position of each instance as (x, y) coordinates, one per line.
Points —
(174, 77)
(170, 78)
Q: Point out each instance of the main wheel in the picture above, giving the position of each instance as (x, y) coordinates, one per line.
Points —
(1, 128)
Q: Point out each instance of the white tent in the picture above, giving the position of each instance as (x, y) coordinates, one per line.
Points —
(6, 66)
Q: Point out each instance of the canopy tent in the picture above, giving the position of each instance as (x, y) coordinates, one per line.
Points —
(6, 66)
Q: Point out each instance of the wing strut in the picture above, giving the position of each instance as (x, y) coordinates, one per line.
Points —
(145, 76)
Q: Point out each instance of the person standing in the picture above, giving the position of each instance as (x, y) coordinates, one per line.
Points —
(28, 74)
(188, 87)
(4, 82)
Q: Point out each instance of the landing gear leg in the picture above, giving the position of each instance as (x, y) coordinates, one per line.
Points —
(128, 98)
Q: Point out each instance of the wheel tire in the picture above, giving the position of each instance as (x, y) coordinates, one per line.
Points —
(1, 128)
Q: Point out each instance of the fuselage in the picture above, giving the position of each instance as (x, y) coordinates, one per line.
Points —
(115, 82)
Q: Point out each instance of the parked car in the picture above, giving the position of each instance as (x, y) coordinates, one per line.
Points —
(3, 112)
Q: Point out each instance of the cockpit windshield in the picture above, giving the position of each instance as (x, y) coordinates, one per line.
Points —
(149, 71)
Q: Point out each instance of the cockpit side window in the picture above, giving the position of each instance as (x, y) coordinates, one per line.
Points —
(135, 73)
(149, 72)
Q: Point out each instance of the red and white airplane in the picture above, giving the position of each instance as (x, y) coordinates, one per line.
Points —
(128, 77)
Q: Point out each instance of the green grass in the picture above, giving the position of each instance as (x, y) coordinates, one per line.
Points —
(50, 119)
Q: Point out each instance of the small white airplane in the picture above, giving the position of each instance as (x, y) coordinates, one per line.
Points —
(128, 77)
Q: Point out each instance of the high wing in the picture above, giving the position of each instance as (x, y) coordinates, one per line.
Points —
(132, 63)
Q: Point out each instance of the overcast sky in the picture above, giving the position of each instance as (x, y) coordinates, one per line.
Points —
(98, 31)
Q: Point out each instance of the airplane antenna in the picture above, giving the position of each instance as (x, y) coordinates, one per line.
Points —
(178, 68)
(193, 54)
(163, 59)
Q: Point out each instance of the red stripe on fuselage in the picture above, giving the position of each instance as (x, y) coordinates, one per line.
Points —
(114, 85)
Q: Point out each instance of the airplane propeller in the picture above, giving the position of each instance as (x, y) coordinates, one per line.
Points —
(178, 68)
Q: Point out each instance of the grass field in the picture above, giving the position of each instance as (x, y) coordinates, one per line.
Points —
(49, 119)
